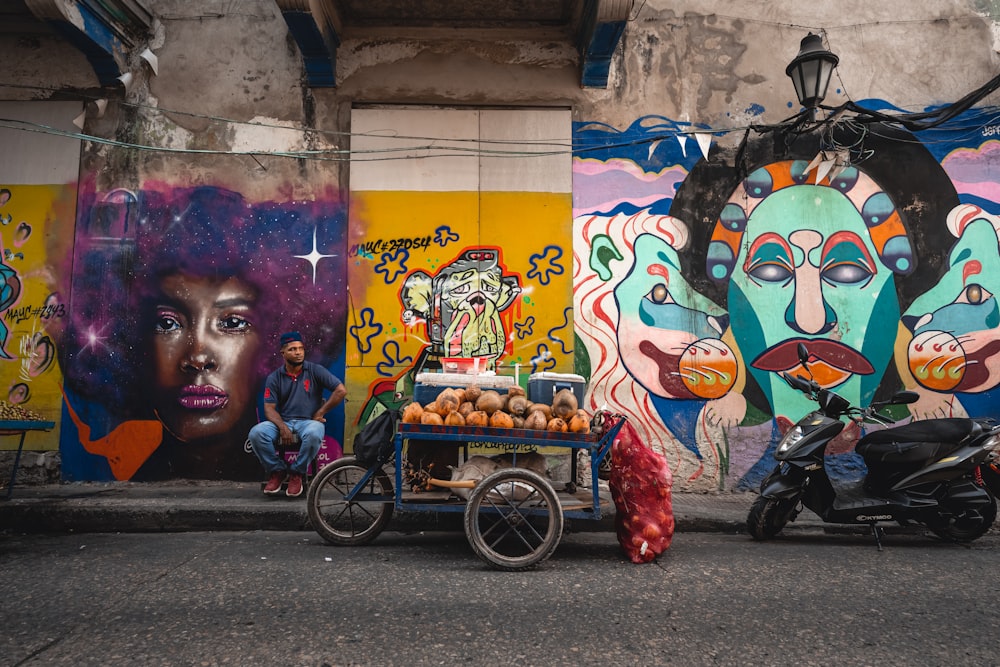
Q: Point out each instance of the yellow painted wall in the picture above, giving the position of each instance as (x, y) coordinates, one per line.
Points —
(394, 234)
(34, 223)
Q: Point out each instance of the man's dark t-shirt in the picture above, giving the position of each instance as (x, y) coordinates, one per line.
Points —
(300, 396)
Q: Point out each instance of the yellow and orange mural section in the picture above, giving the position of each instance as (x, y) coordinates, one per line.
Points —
(37, 211)
(31, 306)
(455, 253)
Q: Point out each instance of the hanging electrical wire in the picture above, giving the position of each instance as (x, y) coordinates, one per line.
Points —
(435, 147)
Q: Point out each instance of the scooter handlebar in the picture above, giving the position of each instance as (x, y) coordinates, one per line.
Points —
(807, 387)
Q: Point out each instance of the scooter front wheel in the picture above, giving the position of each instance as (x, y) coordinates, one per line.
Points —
(768, 516)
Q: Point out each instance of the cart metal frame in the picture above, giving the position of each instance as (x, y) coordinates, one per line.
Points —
(513, 517)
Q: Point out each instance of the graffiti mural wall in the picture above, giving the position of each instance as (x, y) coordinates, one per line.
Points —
(31, 302)
(454, 255)
(178, 298)
(37, 208)
(696, 278)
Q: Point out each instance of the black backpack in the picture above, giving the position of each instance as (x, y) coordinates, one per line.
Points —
(373, 444)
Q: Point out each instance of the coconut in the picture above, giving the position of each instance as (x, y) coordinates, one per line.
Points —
(517, 405)
(431, 419)
(477, 418)
(580, 423)
(564, 404)
(472, 393)
(454, 418)
(557, 424)
(412, 412)
(546, 410)
(536, 421)
(501, 419)
(447, 401)
(489, 402)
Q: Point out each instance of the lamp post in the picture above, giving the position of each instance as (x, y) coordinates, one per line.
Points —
(810, 71)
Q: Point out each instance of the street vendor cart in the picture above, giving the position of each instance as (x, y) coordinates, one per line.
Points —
(513, 517)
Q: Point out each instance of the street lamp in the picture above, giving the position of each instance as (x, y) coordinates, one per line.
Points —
(810, 71)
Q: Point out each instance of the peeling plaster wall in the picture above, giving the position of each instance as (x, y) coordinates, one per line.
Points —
(707, 61)
(250, 73)
(231, 87)
(35, 65)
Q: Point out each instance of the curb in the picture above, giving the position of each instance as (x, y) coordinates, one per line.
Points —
(211, 506)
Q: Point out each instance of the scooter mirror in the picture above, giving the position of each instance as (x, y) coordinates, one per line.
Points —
(904, 397)
(803, 353)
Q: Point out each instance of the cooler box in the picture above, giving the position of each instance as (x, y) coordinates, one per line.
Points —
(543, 386)
(429, 385)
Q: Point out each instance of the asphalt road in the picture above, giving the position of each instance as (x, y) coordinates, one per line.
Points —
(275, 598)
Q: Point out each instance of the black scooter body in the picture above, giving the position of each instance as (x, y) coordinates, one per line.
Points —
(930, 472)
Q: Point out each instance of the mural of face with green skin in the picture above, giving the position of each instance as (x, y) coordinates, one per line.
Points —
(668, 334)
(955, 345)
(808, 271)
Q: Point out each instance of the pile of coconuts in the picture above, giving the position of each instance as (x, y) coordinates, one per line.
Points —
(473, 406)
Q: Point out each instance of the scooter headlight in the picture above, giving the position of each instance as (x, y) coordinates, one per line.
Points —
(793, 435)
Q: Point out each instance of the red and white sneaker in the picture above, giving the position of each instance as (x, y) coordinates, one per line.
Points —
(294, 489)
(274, 483)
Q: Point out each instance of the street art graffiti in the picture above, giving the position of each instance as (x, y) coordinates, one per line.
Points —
(955, 345)
(179, 295)
(473, 291)
(691, 302)
(31, 300)
(461, 305)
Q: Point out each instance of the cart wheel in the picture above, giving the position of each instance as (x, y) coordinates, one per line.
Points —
(513, 519)
(354, 522)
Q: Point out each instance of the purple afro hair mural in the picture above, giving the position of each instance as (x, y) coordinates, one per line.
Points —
(290, 254)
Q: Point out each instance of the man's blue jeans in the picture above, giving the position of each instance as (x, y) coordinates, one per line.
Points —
(264, 436)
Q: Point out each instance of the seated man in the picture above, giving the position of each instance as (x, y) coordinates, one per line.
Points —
(294, 405)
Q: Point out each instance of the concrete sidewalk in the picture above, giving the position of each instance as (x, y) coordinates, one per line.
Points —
(186, 505)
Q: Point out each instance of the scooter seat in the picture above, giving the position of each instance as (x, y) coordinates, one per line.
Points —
(916, 441)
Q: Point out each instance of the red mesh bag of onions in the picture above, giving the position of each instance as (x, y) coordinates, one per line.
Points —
(640, 482)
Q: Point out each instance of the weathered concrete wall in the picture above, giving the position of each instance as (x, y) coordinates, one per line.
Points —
(230, 111)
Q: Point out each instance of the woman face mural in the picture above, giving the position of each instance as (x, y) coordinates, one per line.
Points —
(176, 313)
(811, 263)
(205, 342)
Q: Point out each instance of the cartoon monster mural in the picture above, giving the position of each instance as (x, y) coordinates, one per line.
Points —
(462, 303)
(461, 308)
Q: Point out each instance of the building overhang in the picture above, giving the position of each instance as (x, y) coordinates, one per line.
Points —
(105, 31)
(593, 27)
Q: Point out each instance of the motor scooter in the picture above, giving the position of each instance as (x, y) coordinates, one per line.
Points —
(927, 472)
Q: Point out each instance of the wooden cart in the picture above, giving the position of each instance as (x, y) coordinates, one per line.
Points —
(513, 518)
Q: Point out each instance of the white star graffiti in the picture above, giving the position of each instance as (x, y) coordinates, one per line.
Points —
(314, 256)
